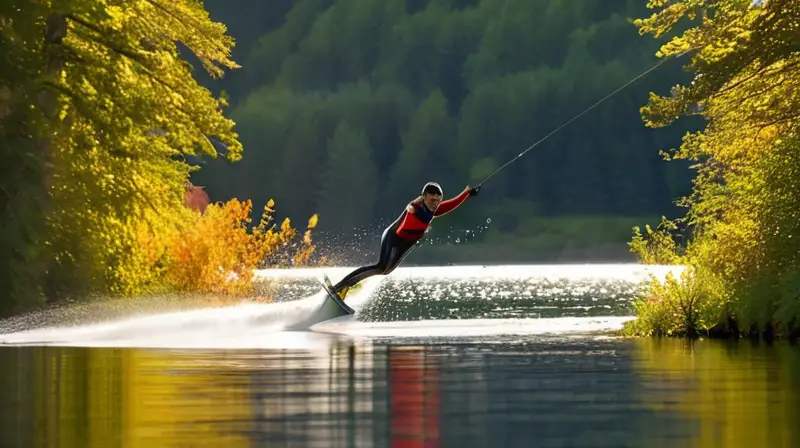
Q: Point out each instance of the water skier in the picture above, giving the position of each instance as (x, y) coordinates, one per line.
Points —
(406, 232)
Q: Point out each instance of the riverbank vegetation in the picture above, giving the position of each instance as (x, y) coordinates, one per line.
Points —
(743, 271)
(99, 111)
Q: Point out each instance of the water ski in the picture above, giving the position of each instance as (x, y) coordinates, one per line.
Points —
(328, 287)
(331, 307)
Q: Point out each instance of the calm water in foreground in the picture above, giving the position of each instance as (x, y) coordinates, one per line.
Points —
(526, 389)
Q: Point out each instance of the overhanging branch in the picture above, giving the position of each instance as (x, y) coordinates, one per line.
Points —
(757, 73)
(144, 68)
(181, 21)
(132, 57)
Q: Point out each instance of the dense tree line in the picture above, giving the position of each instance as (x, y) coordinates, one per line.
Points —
(346, 107)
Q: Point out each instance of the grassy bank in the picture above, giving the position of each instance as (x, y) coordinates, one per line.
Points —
(707, 301)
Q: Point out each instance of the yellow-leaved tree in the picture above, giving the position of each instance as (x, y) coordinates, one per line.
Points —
(108, 107)
(742, 261)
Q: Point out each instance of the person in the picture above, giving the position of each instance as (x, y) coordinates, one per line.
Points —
(406, 232)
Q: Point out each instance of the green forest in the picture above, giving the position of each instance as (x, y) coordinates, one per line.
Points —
(347, 107)
(329, 116)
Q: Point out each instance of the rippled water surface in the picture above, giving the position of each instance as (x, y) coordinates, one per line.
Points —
(505, 357)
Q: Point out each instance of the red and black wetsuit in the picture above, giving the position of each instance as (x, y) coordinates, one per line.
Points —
(399, 237)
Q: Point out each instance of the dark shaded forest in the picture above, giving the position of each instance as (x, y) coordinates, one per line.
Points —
(345, 108)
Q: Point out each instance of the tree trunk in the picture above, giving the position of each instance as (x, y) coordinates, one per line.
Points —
(55, 31)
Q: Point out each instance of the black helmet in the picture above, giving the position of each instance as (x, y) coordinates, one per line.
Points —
(432, 188)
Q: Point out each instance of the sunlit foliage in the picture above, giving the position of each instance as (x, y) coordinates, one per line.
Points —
(218, 252)
(98, 109)
(744, 206)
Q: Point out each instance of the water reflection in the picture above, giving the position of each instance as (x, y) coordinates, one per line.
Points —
(737, 394)
(547, 392)
(413, 390)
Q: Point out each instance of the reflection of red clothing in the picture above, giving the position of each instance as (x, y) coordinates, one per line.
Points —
(196, 198)
(414, 401)
(413, 225)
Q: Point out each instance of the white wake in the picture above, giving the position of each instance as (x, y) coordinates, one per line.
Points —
(263, 325)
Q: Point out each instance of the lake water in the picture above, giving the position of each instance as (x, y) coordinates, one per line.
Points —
(445, 357)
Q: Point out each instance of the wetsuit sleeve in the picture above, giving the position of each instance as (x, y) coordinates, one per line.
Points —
(451, 204)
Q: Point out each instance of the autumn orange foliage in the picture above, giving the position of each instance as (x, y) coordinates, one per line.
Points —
(218, 252)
